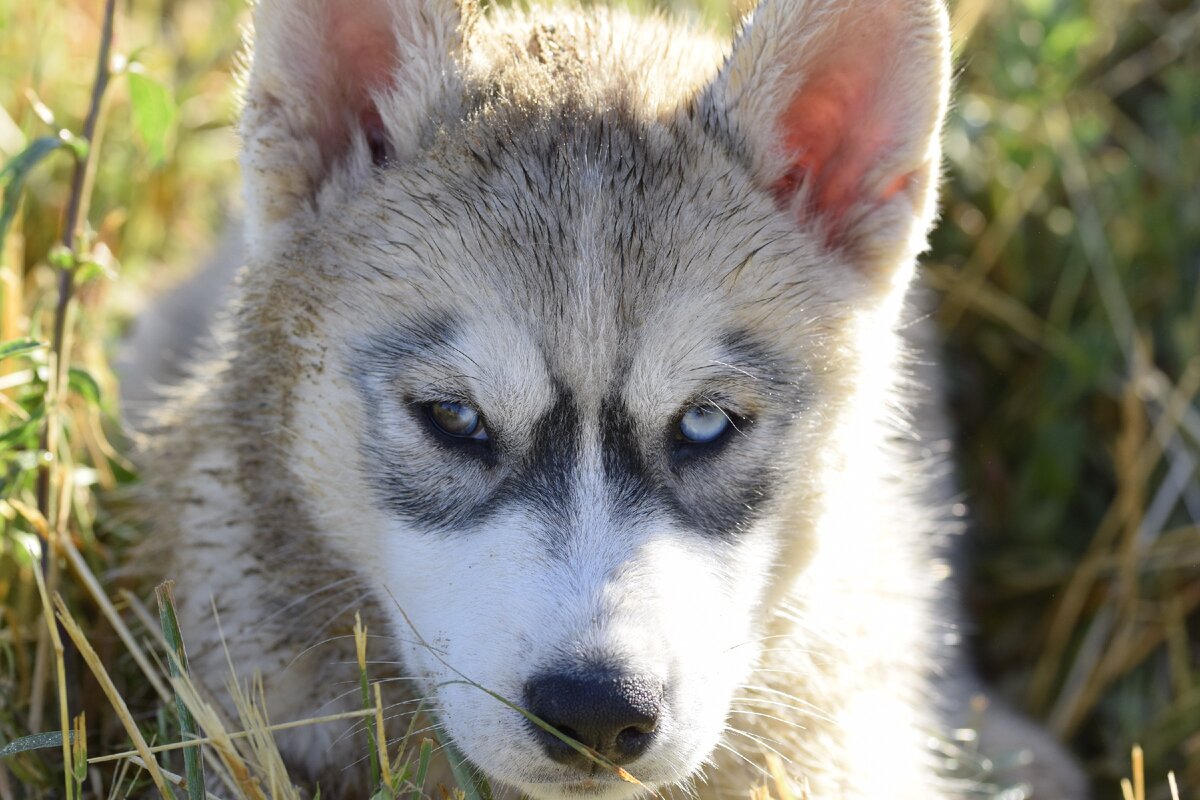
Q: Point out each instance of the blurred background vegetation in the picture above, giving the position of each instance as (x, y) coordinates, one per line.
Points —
(1067, 267)
(1068, 260)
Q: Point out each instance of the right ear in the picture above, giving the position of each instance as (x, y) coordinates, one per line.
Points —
(339, 82)
(839, 106)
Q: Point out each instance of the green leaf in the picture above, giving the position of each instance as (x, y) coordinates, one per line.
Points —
(83, 384)
(154, 113)
(90, 269)
(23, 435)
(19, 465)
(79, 146)
(18, 347)
(15, 172)
(61, 257)
(38, 741)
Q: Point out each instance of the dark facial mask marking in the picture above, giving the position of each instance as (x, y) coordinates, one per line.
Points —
(453, 493)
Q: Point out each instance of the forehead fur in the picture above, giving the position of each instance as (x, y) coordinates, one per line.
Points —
(577, 201)
(603, 58)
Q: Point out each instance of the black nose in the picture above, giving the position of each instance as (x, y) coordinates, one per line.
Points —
(612, 712)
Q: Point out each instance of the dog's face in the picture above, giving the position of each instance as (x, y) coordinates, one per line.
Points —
(580, 465)
(582, 354)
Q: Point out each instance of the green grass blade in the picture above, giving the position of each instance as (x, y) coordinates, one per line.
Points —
(38, 741)
(82, 383)
(423, 759)
(24, 434)
(19, 347)
(192, 761)
(15, 172)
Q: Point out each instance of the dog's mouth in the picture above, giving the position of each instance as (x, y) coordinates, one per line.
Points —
(595, 782)
(598, 787)
(585, 786)
(556, 782)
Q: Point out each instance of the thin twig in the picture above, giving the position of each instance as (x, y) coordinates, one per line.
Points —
(77, 205)
(76, 209)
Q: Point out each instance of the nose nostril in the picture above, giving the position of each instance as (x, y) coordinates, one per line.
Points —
(613, 713)
(632, 742)
(634, 732)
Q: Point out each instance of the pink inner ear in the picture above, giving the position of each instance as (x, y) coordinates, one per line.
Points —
(361, 36)
(837, 129)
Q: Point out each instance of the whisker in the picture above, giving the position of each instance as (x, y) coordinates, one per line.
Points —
(341, 612)
(302, 598)
(761, 741)
(747, 712)
(760, 640)
(780, 693)
(809, 711)
(395, 740)
(314, 646)
(729, 748)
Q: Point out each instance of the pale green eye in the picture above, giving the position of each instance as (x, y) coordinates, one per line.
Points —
(457, 420)
(703, 424)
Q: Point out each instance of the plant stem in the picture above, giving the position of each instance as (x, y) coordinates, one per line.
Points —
(77, 208)
(75, 216)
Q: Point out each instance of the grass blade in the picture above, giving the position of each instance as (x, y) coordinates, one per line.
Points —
(423, 759)
(92, 659)
(381, 741)
(360, 647)
(18, 347)
(192, 756)
(38, 741)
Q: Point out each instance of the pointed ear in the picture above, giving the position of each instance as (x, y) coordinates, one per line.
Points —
(838, 104)
(335, 82)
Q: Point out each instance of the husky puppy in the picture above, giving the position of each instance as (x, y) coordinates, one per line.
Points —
(568, 348)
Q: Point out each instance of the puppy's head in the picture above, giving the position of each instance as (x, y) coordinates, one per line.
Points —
(585, 305)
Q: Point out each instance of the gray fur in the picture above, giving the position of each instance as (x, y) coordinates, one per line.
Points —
(573, 231)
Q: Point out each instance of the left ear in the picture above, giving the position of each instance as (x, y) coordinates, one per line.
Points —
(339, 82)
(838, 104)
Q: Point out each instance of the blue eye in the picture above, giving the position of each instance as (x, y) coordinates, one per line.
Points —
(703, 424)
(457, 420)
